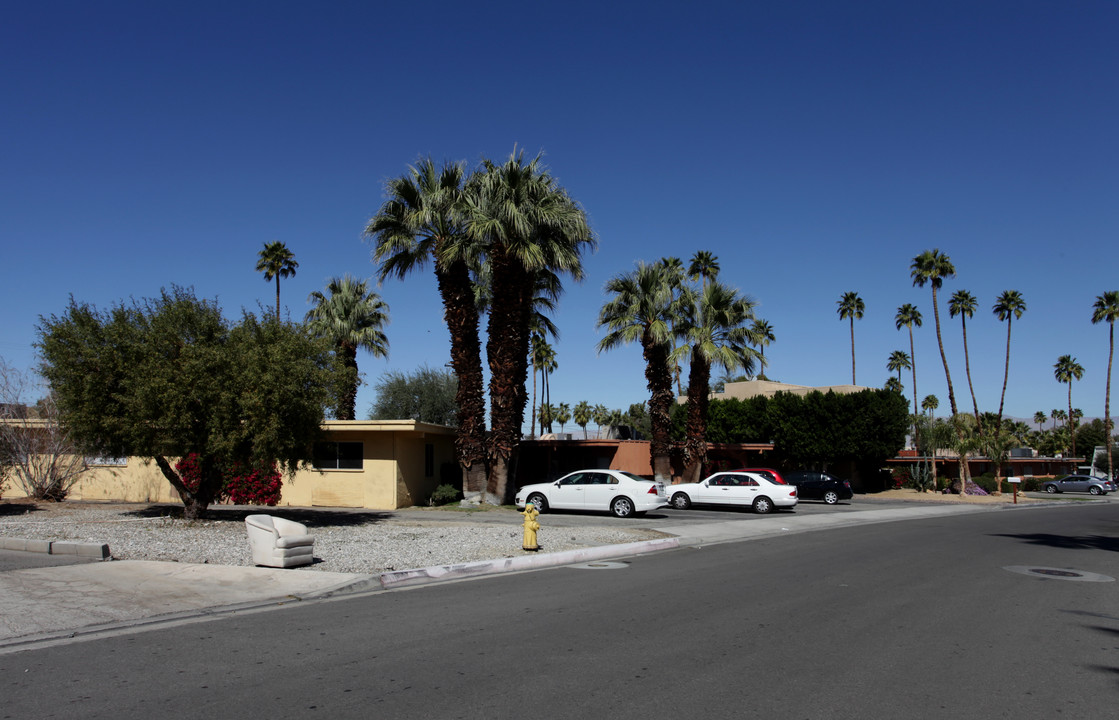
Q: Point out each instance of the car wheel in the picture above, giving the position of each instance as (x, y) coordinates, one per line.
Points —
(538, 501)
(831, 497)
(681, 501)
(763, 505)
(1094, 490)
(1050, 489)
(622, 507)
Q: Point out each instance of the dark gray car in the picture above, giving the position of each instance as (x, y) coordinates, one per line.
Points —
(1078, 483)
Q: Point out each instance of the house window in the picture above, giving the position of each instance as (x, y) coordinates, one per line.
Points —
(429, 460)
(338, 456)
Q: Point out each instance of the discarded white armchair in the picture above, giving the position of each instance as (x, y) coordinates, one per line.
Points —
(276, 542)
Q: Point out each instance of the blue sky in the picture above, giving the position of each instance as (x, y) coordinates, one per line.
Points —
(814, 147)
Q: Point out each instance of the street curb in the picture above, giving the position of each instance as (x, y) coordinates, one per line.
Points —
(420, 576)
(99, 551)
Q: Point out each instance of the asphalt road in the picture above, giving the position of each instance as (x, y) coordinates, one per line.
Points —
(917, 619)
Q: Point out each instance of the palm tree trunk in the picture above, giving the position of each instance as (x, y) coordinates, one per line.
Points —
(852, 349)
(913, 366)
(967, 367)
(658, 378)
(347, 396)
(277, 297)
(1005, 376)
(466, 361)
(1107, 400)
(695, 442)
(1071, 434)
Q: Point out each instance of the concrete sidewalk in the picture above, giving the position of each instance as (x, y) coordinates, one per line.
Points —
(53, 603)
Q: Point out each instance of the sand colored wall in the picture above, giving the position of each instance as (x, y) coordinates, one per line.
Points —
(393, 474)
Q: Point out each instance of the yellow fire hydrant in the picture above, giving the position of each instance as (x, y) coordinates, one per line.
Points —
(531, 526)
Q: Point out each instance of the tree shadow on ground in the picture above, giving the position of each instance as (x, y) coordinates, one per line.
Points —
(11, 509)
(1069, 542)
(312, 518)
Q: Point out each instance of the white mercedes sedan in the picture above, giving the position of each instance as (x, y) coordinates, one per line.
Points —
(745, 489)
(621, 493)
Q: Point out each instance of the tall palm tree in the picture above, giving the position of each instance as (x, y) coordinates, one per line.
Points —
(601, 414)
(892, 383)
(563, 414)
(964, 304)
(1066, 370)
(909, 316)
(703, 265)
(763, 332)
(542, 358)
(932, 267)
(1039, 418)
(643, 307)
(1106, 309)
(677, 276)
(351, 317)
(1008, 306)
(714, 331)
(526, 223)
(276, 261)
(582, 414)
(899, 360)
(851, 307)
(421, 222)
(930, 404)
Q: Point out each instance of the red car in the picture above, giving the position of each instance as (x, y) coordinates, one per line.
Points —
(768, 473)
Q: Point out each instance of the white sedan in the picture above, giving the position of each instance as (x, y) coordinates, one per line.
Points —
(735, 488)
(619, 492)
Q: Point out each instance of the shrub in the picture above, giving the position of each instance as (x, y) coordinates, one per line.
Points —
(261, 486)
(445, 495)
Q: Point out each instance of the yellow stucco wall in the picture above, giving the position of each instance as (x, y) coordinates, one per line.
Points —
(393, 475)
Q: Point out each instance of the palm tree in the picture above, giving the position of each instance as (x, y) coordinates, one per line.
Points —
(964, 304)
(898, 361)
(674, 267)
(1066, 370)
(526, 224)
(1008, 306)
(421, 221)
(582, 414)
(932, 267)
(930, 404)
(892, 383)
(714, 331)
(563, 414)
(1039, 418)
(543, 360)
(909, 316)
(1106, 309)
(763, 332)
(851, 306)
(351, 318)
(276, 261)
(703, 265)
(600, 413)
(643, 307)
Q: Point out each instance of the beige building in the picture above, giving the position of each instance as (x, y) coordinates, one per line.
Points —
(769, 388)
(377, 464)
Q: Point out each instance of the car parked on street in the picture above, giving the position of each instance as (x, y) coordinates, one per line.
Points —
(767, 473)
(616, 491)
(1079, 483)
(735, 488)
(813, 485)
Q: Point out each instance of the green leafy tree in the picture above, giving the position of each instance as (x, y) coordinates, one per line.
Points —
(1065, 371)
(526, 223)
(1106, 309)
(1009, 306)
(423, 220)
(964, 304)
(350, 317)
(851, 307)
(643, 307)
(276, 261)
(166, 377)
(908, 316)
(425, 394)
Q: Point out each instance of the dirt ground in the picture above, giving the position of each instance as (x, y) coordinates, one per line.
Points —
(906, 494)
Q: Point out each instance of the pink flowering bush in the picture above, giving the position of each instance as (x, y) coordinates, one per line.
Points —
(243, 486)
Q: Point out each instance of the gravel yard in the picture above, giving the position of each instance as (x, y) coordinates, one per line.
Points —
(345, 541)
